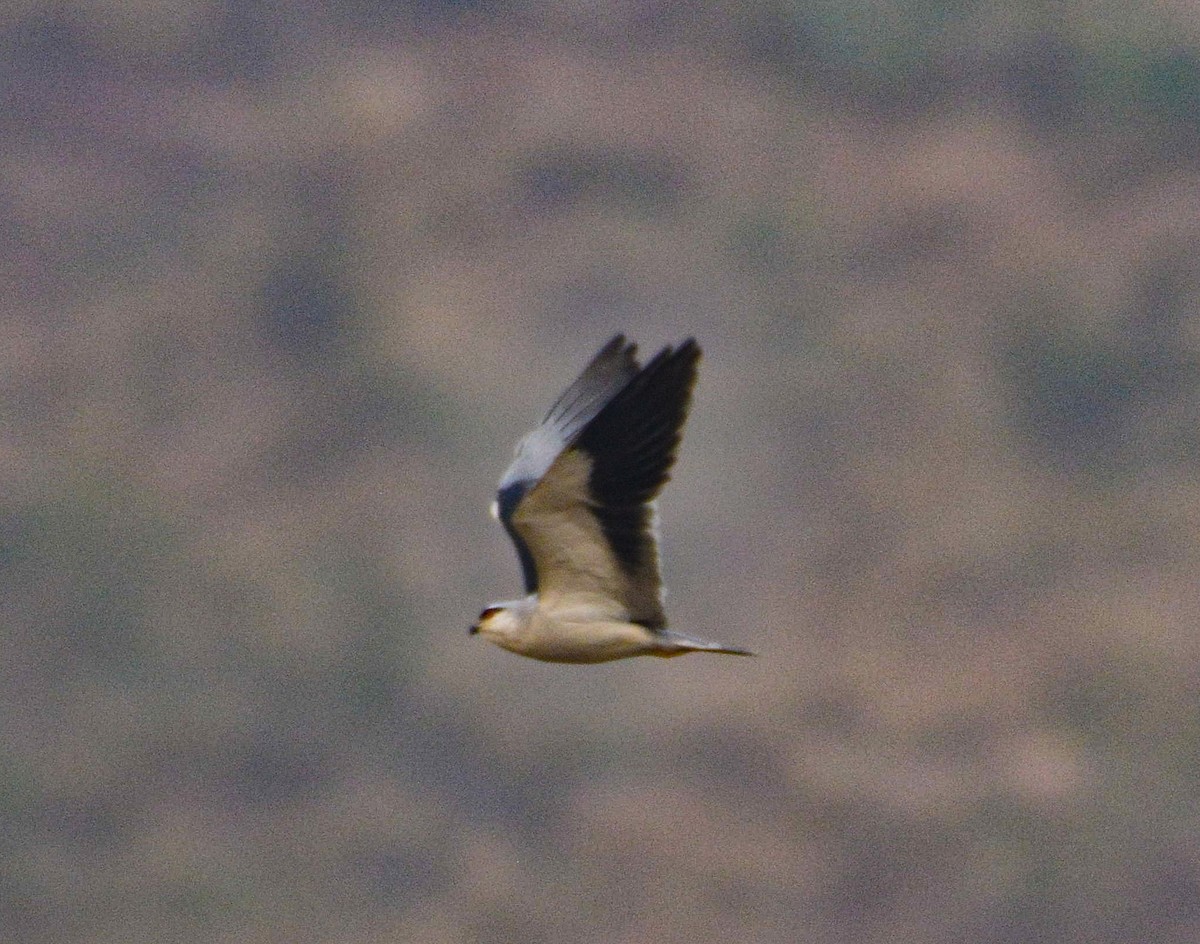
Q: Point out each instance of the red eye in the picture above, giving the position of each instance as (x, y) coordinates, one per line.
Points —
(488, 611)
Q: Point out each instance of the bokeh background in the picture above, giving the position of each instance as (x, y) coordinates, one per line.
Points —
(283, 283)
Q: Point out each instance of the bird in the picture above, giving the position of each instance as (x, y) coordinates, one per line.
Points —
(579, 504)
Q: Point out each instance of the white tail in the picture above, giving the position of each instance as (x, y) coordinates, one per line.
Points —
(677, 644)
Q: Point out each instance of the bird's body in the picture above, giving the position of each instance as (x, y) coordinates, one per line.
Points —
(578, 503)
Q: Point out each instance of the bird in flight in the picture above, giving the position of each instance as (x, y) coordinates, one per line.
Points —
(578, 503)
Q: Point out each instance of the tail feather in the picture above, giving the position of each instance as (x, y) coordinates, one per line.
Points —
(678, 644)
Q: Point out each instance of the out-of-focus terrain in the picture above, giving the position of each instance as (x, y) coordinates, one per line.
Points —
(283, 283)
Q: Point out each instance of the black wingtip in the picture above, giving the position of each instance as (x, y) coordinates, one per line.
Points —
(632, 443)
(617, 346)
(681, 358)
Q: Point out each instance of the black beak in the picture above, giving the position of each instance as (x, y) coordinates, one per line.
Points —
(473, 630)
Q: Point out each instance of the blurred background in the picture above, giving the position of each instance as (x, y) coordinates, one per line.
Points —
(283, 284)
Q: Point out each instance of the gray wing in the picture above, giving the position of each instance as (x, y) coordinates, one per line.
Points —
(578, 499)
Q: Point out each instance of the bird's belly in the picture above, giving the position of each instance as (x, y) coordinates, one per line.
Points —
(582, 642)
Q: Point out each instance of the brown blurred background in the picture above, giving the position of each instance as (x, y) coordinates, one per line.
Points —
(284, 282)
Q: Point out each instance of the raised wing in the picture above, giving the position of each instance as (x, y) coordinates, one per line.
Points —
(586, 527)
(604, 376)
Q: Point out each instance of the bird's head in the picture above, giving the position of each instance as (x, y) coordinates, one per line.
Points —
(496, 621)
